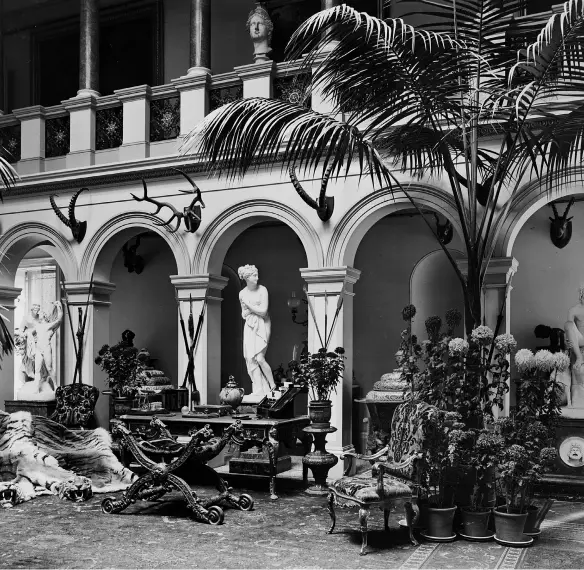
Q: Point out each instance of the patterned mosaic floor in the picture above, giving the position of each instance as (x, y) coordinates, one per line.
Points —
(288, 533)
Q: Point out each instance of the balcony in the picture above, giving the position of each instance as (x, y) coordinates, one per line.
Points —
(139, 122)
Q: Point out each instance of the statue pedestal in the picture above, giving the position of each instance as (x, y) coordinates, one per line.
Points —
(35, 407)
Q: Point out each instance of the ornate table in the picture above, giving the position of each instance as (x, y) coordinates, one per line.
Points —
(256, 432)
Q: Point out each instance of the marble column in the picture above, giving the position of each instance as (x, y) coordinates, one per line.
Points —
(200, 38)
(326, 4)
(89, 49)
(324, 287)
(202, 288)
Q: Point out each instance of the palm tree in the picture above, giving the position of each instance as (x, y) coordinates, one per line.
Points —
(420, 101)
(8, 178)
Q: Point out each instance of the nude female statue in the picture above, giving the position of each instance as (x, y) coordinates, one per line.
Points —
(43, 386)
(260, 29)
(256, 334)
(574, 328)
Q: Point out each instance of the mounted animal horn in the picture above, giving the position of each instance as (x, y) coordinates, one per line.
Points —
(445, 231)
(561, 226)
(77, 228)
(326, 204)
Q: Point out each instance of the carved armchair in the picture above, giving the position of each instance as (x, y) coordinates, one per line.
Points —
(75, 405)
(160, 454)
(395, 476)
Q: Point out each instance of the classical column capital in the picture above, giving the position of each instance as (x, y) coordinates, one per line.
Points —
(78, 292)
(33, 112)
(8, 295)
(206, 286)
(498, 272)
(349, 275)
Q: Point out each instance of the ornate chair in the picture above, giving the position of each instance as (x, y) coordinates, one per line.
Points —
(396, 475)
(75, 405)
(160, 454)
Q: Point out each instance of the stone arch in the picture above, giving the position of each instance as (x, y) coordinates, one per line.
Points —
(359, 219)
(108, 240)
(221, 233)
(528, 201)
(20, 239)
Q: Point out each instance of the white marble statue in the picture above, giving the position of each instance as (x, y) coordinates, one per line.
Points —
(37, 359)
(260, 29)
(256, 333)
(574, 329)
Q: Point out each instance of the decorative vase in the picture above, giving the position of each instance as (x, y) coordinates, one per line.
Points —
(509, 528)
(319, 461)
(475, 524)
(439, 524)
(231, 394)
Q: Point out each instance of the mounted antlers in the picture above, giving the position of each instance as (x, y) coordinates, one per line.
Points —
(133, 262)
(445, 231)
(325, 205)
(78, 228)
(561, 226)
(191, 215)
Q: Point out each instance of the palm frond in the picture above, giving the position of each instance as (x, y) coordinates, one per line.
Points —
(254, 131)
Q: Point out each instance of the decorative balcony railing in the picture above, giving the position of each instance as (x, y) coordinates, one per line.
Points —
(292, 86)
(10, 142)
(109, 125)
(57, 135)
(226, 88)
(164, 118)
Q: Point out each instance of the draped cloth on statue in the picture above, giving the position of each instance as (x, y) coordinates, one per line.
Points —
(256, 336)
(40, 455)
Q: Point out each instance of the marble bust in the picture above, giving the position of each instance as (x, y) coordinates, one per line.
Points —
(256, 334)
(260, 28)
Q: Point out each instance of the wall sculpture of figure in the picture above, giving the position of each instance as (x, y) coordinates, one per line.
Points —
(37, 354)
(256, 335)
(574, 328)
(260, 28)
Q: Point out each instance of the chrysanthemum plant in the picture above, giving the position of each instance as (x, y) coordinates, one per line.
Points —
(122, 365)
(527, 451)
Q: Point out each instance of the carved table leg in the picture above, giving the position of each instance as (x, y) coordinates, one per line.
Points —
(363, 516)
(331, 510)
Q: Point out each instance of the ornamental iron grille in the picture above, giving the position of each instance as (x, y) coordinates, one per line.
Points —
(57, 136)
(10, 142)
(109, 128)
(220, 96)
(294, 89)
(164, 119)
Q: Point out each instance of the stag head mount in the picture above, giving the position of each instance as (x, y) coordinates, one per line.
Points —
(325, 205)
(445, 231)
(191, 215)
(77, 228)
(133, 262)
(561, 226)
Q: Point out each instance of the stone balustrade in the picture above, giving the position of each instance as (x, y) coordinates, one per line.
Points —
(137, 122)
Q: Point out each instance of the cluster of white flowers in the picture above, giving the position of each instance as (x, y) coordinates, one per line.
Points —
(561, 361)
(505, 343)
(524, 360)
(457, 347)
(544, 361)
(482, 335)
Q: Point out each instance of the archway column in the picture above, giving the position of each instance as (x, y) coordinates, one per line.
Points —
(97, 333)
(8, 297)
(202, 288)
(324, 287)
(495, 287)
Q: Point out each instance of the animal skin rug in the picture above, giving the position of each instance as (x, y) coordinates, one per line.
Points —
(39, 456)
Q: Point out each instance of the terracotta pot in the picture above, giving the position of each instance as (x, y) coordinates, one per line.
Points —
(509, 526)
(475, 523)
(319, 412)
(439, 522)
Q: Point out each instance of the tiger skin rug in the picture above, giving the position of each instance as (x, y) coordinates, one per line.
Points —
(39, 456)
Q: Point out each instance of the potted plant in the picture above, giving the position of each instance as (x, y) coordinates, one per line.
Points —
(122, 365)
(528, 438)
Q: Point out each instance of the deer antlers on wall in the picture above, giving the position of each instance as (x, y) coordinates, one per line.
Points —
(191, 215)
(445, 231)
(325, 205)
(561, 226)
(77, 228)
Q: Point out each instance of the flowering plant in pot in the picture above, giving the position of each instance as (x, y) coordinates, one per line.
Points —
(122, 365)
